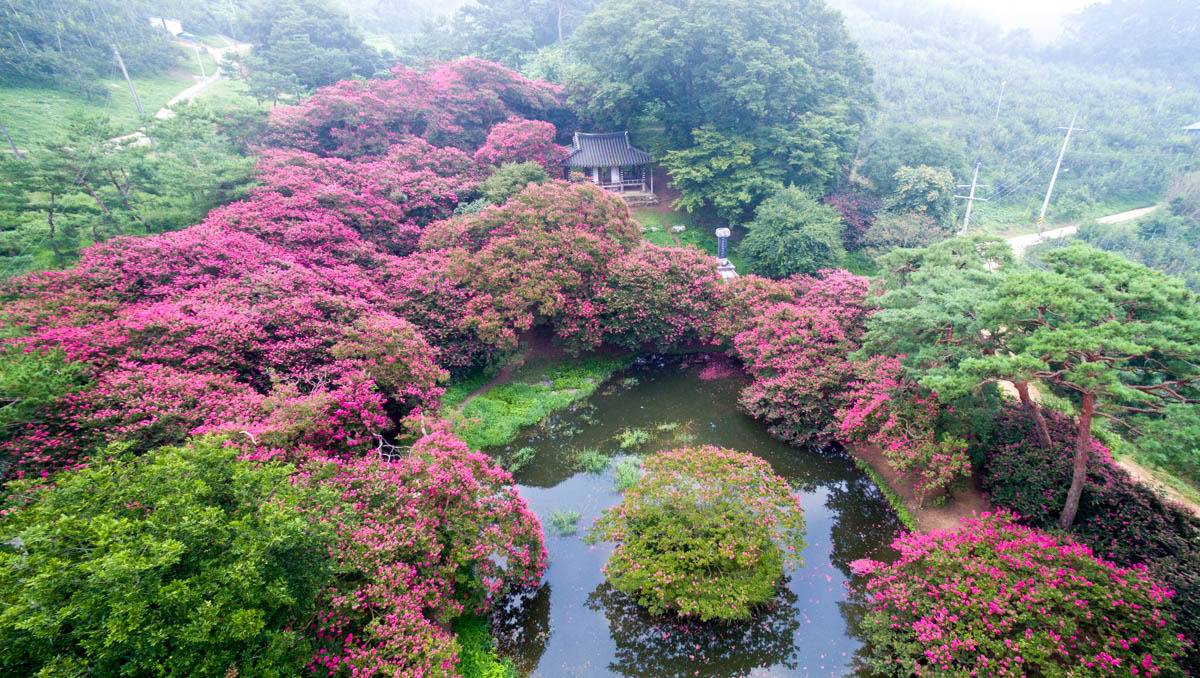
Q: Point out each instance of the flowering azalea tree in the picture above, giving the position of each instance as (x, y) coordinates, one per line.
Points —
(798, 352)
(886, 409)
(452, 104)
(422, 540)
(519, 140)
(1001, 598)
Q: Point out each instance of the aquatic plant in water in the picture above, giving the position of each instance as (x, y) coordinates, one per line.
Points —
(566, 523)
(593, 461)
(705, 533)
(632, 437)
(626, 474)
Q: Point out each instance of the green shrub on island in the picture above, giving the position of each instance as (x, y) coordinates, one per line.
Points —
(706, 533)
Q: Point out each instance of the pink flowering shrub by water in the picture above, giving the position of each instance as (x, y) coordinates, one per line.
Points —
(885, 409)
(424, 539)
(660, 297)
(519, 140)
(997, 598)
(798, 352)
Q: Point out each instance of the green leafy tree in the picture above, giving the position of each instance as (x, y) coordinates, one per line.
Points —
(793, 233)
(751, 94)
(1112, 335)
(900, 145)
(718, 170)
(308, 40)
(184, 561)
(923, 190)
(893, 230)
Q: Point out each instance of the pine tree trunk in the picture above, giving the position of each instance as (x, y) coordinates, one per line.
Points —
(1035, 411)
(1083, 450)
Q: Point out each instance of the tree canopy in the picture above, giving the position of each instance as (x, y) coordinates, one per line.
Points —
(762, 92)
(793, 233)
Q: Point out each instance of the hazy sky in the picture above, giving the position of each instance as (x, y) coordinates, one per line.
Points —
(1043, 17)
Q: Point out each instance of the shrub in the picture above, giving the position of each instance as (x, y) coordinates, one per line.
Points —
(517, 141)
(1001, 598)
(886, 409)
(798, 353)
(440, 532)
(705, 533)
(510, 179)
(793, 233)
(1122, 520)
(892, 230)
(184, 561)
(660, 297)
(858, 213)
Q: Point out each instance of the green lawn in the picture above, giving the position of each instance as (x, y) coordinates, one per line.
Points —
(534, 391)
(698, 233)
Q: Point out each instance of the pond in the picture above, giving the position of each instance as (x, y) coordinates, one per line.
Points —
(577, 625)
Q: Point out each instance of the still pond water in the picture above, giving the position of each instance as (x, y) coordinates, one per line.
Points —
(576, 625)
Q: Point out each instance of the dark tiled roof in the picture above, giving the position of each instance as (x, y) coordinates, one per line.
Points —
(605, 150)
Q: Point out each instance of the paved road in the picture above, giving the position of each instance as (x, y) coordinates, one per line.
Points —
(1021, 243)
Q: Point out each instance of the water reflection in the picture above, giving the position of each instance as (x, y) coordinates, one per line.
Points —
(576, 625)
(667, 647)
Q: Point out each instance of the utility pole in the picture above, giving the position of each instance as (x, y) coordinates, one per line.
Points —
(11, 144)
(1162, 100)
(136, 101)
(200, 60)
(1057, 166)
(970, 198)
(999, 100)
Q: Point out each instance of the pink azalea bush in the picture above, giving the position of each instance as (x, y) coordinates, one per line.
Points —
(422, 540)
(519, 140)
(885, 409)
(660, 297)
(798, 352)
(998, 598)
(451, 104)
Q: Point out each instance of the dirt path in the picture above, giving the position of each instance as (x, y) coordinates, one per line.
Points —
(1148, 478)
(966, 502)
(190, 93)
(1021, 243)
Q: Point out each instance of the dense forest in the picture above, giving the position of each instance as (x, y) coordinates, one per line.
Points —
(345, 353)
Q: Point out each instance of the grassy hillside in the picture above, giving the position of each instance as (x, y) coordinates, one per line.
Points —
(35, 114)
(942, 71)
